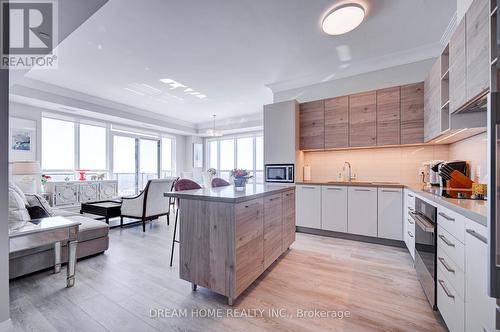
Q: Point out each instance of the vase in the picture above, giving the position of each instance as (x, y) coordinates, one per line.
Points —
(240, 184)
(207, 180)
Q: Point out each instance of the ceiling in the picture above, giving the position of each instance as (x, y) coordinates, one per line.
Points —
(233, 51)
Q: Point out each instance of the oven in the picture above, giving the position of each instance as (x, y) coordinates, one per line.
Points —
(425, 217)
(281, 173)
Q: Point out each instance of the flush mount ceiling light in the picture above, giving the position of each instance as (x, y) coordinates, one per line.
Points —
(343, 19)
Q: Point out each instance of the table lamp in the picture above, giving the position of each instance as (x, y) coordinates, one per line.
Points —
(29, 171)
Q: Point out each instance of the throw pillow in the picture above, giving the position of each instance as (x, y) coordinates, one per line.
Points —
(18, 215)
(37, 212)
(38, 200)
(18, 190)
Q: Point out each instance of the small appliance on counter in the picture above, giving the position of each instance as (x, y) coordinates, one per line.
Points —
(431, 176)
(279, 173)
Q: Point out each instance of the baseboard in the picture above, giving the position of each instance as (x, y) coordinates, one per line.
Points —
(6, 325)
(354, 237)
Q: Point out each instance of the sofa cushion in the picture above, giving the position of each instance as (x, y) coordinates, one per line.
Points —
(18, 215)
(90, 229)
(18, 190)
(37, 212)
(63, 213)
(38, 200)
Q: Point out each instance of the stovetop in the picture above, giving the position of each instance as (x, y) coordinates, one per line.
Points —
(457, 193)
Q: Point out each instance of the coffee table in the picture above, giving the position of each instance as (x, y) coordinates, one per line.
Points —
(107, 209)
(53, 230)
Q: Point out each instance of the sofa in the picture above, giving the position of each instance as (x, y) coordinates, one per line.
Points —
(92, 236)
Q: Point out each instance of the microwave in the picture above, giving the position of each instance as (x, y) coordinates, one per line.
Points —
(281, 173)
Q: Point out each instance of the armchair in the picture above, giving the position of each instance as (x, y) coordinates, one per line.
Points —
(150, 203)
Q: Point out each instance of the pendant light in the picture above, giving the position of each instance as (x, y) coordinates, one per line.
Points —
(214, 132)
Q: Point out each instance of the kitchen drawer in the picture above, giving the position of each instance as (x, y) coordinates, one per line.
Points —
(451, 247)
(451, 222)
(410, 233)
(452, 272)
(450, 304)
(409, 196)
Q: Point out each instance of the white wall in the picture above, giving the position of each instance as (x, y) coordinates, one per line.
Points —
(188, 158)
(399, 75)
(462, 6)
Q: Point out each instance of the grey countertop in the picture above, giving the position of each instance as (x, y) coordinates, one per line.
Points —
(229, 194)
(471, 209)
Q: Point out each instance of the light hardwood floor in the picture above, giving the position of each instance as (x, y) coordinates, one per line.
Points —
(116, 291)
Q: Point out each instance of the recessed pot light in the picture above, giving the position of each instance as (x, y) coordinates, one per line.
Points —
(343, 19)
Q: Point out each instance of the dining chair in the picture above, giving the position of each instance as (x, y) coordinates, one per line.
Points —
(180, 185)
(218, 182)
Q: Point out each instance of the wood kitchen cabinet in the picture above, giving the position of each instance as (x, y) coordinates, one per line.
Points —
(337, 122)
(390, 213)
(334, 208)
(363, 119)
(457, 75)
(412, 113)
(477, 29)
(389, 116)
(362, 211)
(432, 103)
(288, 218)
(249, 231)
(308, 206)
(312, 125)
(273, 225)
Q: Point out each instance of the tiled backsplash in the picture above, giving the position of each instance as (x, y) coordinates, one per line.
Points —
(398, 164)
(475, 151)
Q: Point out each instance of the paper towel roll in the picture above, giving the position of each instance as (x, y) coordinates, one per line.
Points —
(307, 173)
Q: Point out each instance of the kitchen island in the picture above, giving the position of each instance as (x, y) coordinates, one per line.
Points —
(228, 238)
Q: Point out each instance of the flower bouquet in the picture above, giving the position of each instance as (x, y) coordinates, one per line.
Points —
(44, 179)
(240, 178)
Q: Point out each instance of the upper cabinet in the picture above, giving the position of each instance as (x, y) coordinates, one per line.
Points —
(432, 103)
(457, 76)
(312, 125)
(337, 122)
(363, 119)
(412, 113)
(478, 50)
(389, 116)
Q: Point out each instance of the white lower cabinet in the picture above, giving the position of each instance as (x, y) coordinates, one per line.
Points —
(390, 213)
(408, 222)
(362, 211)
(308, 206)
(334, 208)
(479, 307)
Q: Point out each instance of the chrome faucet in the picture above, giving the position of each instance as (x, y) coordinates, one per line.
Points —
(348, 164)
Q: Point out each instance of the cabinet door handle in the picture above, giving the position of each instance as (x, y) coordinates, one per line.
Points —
(445, 216)
(446, 266)
(337, 189)
(389, 191)
(477, 235)
(445, 240)
(308, 188)
(411, 221)
(446, 291)
(411, 209)
(249, 205)
(410, 195)
(362, 190)
(410, 234)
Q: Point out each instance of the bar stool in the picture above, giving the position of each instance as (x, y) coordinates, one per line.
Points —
(180, 185)
(218, 182)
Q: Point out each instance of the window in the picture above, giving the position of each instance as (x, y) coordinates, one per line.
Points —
(58, 144)
(244, 152)
(167, 157)
(92, 147)
(148, 161)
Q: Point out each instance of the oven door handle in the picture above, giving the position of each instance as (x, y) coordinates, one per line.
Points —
(422, 223)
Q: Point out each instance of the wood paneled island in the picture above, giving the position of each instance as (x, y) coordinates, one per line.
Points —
(229, 238)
